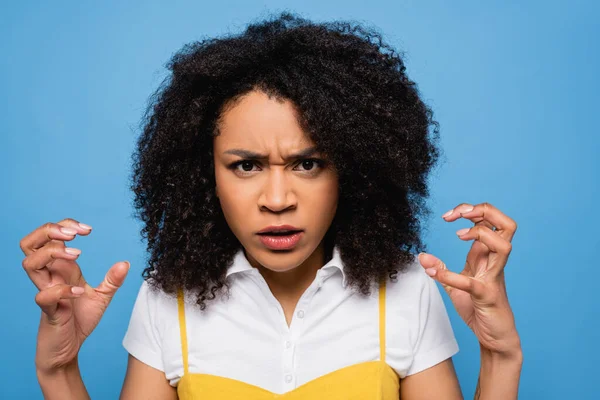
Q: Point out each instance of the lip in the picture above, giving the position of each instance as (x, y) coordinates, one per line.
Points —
(280, 242)
(278, 228)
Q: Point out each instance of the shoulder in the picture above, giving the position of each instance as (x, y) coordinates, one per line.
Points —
(409, 296)
(408, 282)
(155, 297)
(418, 327)
(153, 308)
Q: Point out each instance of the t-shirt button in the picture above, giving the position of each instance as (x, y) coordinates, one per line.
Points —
(300, 314)
(288, 344)
(288, 378)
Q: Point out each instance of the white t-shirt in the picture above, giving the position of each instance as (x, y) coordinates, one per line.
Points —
(245, 336)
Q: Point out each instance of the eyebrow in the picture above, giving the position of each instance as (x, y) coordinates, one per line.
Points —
(250, 155)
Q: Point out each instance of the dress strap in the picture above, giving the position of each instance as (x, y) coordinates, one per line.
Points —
(182, 330)
(382, 320)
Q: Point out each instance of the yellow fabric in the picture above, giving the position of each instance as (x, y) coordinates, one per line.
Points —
(370, 380)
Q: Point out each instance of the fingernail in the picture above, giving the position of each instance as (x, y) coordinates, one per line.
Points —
(449, 213)
(68, 231)
(84, 226)
(73, 251)
(77, 290)
(431, 271)
(461, 232)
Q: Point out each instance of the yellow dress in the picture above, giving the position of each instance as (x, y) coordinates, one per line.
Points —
(370, 380)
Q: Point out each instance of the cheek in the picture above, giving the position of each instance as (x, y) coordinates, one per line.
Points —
(234, 213)
(226, 190)
(233, 203)
(324, 198)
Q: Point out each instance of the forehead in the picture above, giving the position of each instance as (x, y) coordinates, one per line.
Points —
(261, 123)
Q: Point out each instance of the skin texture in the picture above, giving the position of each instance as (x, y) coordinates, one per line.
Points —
(381, 152)
(275, 190)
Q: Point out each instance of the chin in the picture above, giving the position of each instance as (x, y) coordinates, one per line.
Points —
(279, 260)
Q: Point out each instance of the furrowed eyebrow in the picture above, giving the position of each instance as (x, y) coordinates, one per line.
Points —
(250, 155)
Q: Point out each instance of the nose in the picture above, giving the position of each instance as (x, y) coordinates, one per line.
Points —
(277, 194)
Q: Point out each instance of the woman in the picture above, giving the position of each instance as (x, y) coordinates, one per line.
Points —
(281, 176)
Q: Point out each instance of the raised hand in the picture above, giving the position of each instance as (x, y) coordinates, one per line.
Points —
(478, 292)
(71, 308)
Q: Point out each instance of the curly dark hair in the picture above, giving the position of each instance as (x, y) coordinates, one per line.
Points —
(355, 102)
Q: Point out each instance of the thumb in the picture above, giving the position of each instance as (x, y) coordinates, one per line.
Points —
(113, 280)
(430, 261)
(435, 268)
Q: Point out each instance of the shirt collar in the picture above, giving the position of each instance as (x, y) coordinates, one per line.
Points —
(335, 264)
(241, 264)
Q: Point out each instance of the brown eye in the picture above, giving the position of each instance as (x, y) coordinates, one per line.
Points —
(307, 165)
(244, 167)
(247, 166)
(310, 165)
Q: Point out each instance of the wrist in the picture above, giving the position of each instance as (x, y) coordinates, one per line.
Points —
(51, 372)
(509, 360)
(510, 351)
(514, 356)
(62, 382)
(499, 374)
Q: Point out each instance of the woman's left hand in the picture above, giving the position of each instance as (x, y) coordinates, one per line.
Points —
(479, 291)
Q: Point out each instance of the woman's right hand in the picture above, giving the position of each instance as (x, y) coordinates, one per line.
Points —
(71, 308)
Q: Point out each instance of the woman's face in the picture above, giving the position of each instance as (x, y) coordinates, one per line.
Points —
(267, 176)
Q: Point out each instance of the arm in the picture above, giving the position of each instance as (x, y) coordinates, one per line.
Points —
(145, 382)
(63, 384)
(419, 386)
(141, 382)
(498, 379)
(71, 308)
(499, 375)
(480, 298)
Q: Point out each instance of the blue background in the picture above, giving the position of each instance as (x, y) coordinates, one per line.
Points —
(514, 86)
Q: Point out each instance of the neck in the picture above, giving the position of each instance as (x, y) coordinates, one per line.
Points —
(289, 285)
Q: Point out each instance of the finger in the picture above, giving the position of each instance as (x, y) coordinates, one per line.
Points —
(430, 262)
(454, 214)
(435, 268)
(48, 298)
(81, 228)
(478, 256)
(113, 280)
(463, 208)
(38, 265)
(496, 243)
(486, 224)
(505, 226)
(65, 230)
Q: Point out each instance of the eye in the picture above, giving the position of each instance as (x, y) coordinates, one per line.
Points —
(308, 164)
(246, 165)
(311, 164)
(243, 166)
